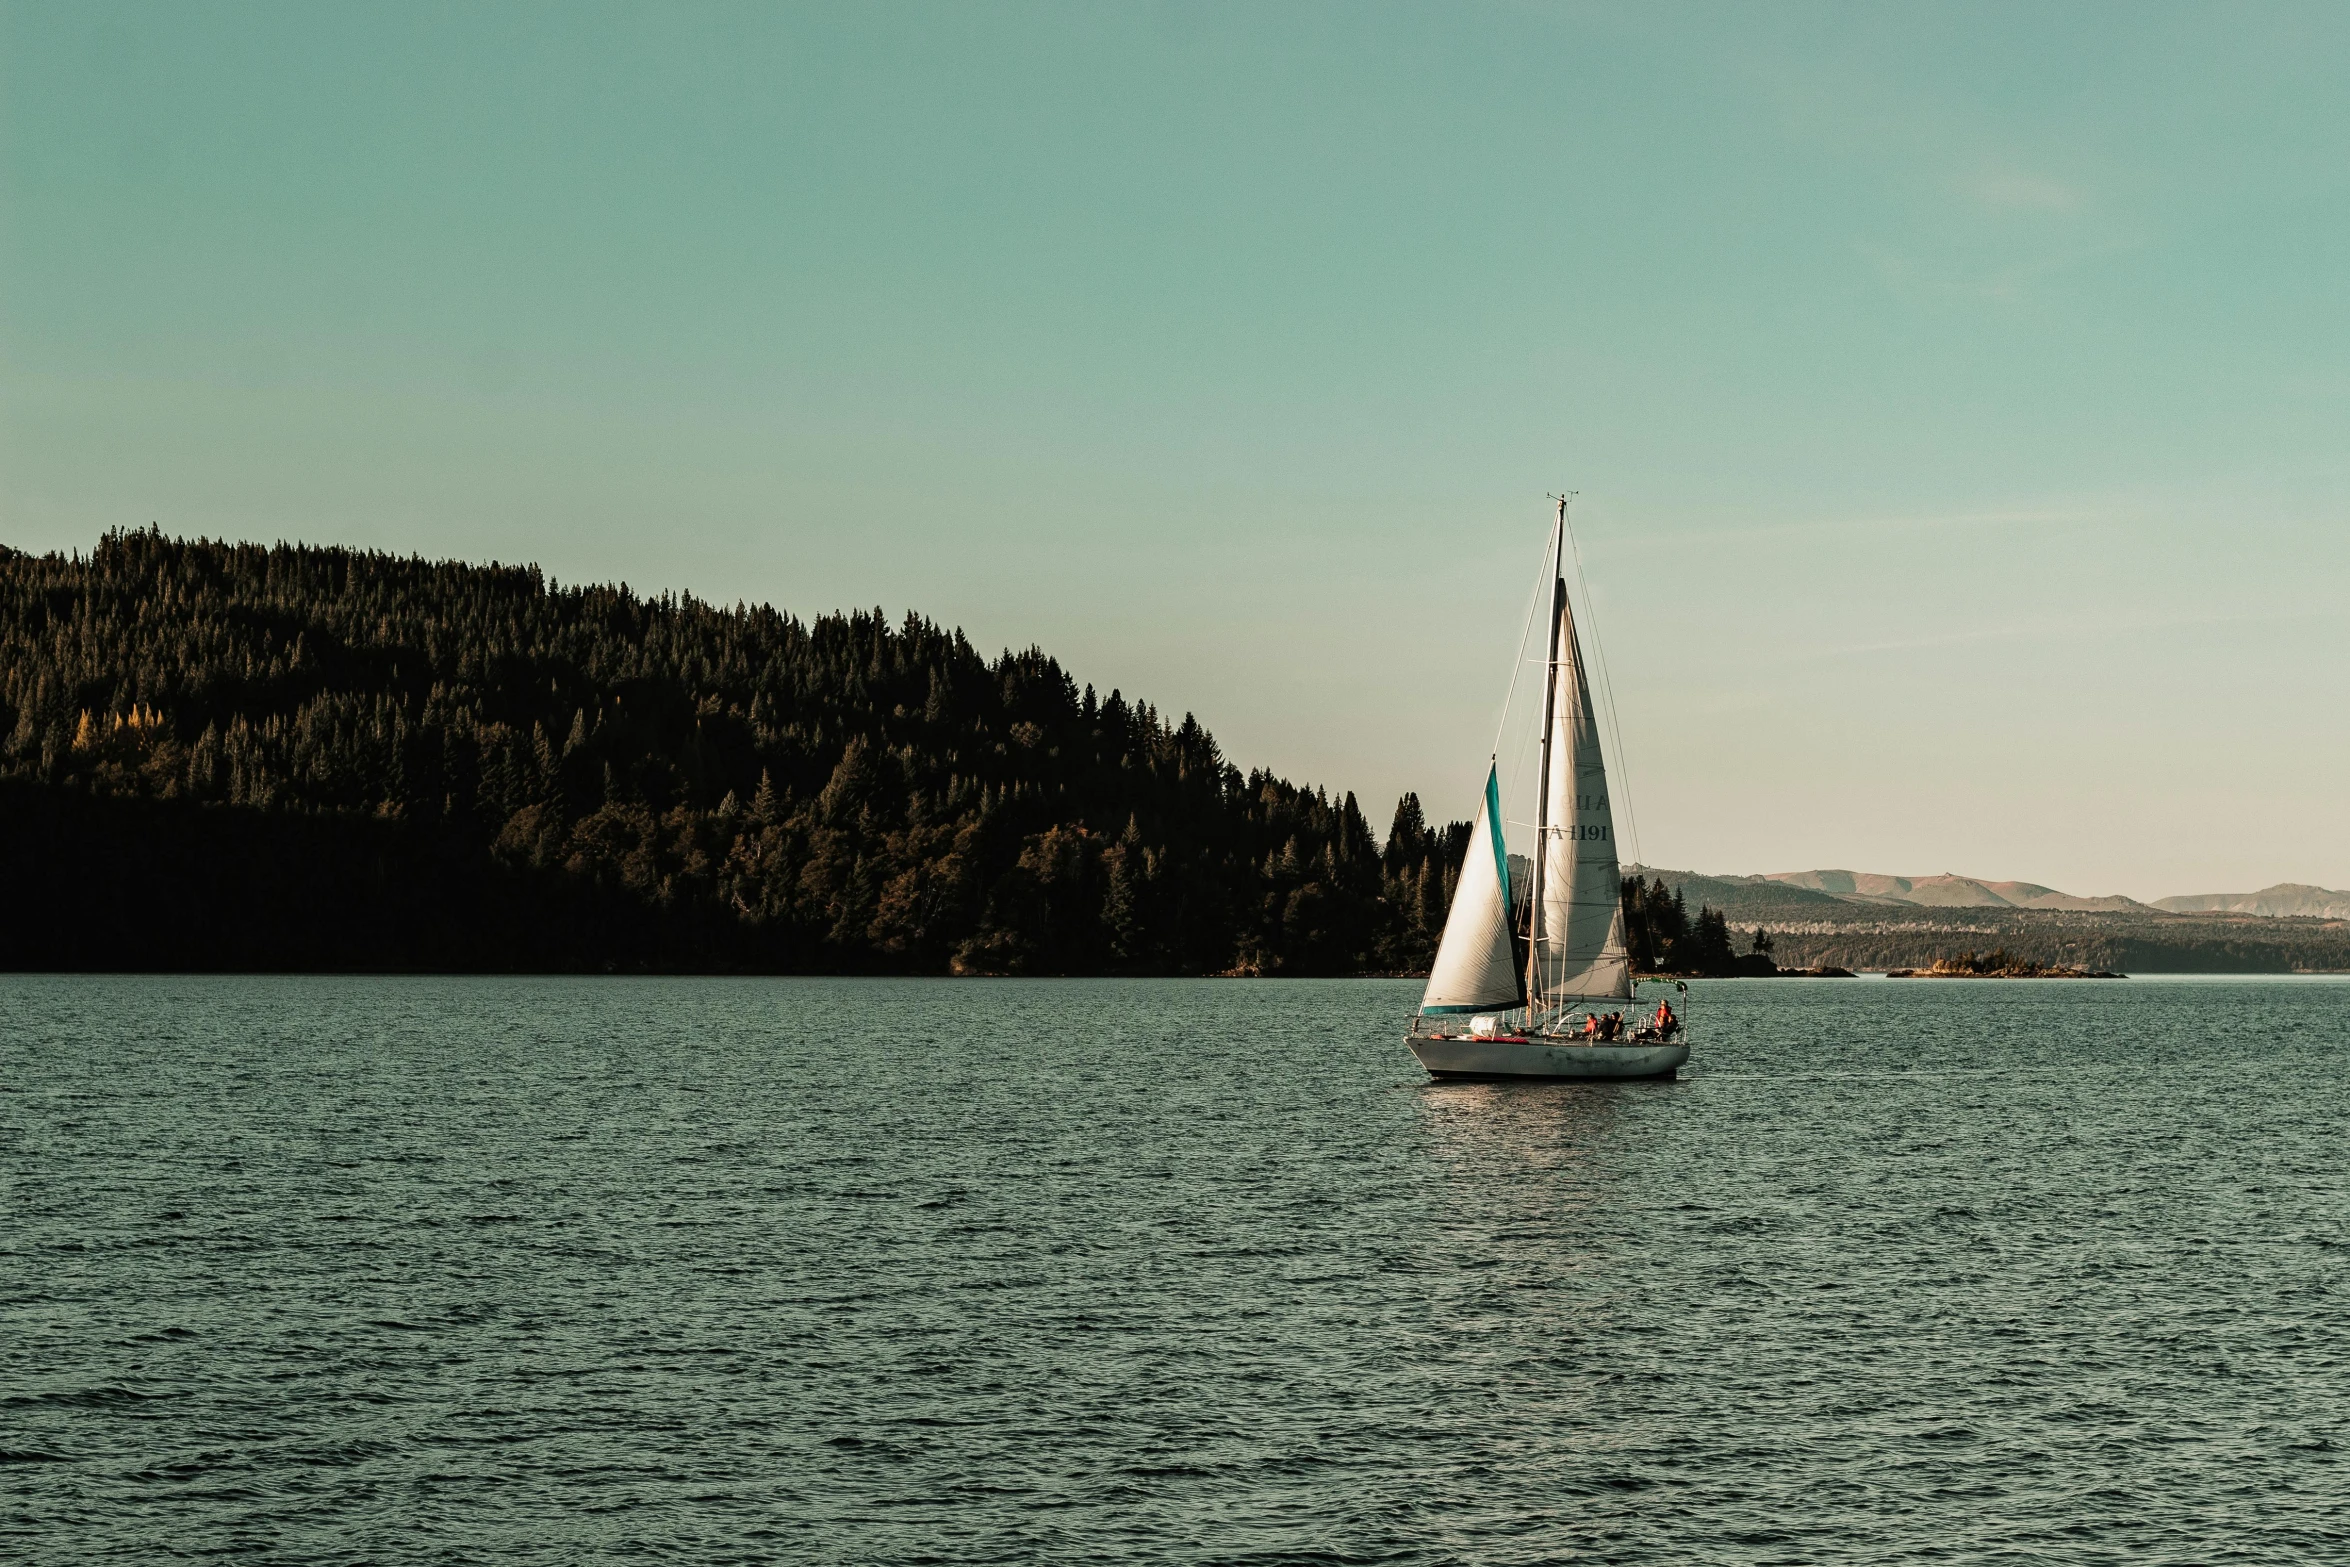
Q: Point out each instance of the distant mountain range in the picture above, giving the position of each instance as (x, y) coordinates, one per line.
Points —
(2286, 898)
(1791, 894)
(1849, 919)
(1941, 892)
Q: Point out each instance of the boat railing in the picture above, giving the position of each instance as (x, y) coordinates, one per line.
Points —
(1564, 1024)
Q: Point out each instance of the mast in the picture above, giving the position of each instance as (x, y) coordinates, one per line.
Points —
(1558, 599)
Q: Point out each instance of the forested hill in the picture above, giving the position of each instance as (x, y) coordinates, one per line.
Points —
(224, 755)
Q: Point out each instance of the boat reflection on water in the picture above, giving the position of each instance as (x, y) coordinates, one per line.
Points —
(1531, 1246)
(1508, 1152)
(1493, 1127)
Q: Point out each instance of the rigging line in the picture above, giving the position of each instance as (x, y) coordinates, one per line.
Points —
(1532, 594)
(1608, 685)
(1533, 601)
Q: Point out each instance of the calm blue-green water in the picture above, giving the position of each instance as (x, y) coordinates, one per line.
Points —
(407, 1271)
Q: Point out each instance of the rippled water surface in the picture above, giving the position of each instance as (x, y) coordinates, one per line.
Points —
(405, 1271)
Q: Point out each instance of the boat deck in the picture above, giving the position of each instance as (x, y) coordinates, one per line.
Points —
(1517, 1056)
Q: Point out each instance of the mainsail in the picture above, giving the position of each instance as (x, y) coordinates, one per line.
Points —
(1579, 951)
(1477, 967)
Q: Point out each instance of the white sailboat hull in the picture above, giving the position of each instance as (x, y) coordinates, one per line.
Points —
(1496, 1058)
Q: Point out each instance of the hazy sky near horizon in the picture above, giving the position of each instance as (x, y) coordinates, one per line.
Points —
(1958, 396)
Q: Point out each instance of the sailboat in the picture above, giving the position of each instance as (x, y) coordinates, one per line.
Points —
(1542, 987)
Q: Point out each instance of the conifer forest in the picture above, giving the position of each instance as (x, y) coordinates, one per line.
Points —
(226, 755)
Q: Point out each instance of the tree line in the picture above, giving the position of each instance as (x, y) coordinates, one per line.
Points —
(653, 781)
(1665, 938)
(225, 754)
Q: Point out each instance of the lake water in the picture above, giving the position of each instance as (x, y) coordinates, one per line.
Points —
(545, 1270)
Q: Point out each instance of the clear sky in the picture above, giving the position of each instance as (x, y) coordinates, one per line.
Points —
(1959, 397)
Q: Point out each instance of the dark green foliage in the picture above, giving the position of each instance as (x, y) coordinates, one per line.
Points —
(1663, 939)
(1997, 961)
(1656, 923)
(1709, 945)
(644, 782)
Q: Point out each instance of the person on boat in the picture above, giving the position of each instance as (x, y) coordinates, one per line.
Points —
(1590, 1025)
(1665, 1022)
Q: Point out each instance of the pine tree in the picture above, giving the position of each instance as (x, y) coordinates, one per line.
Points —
(909, 798)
